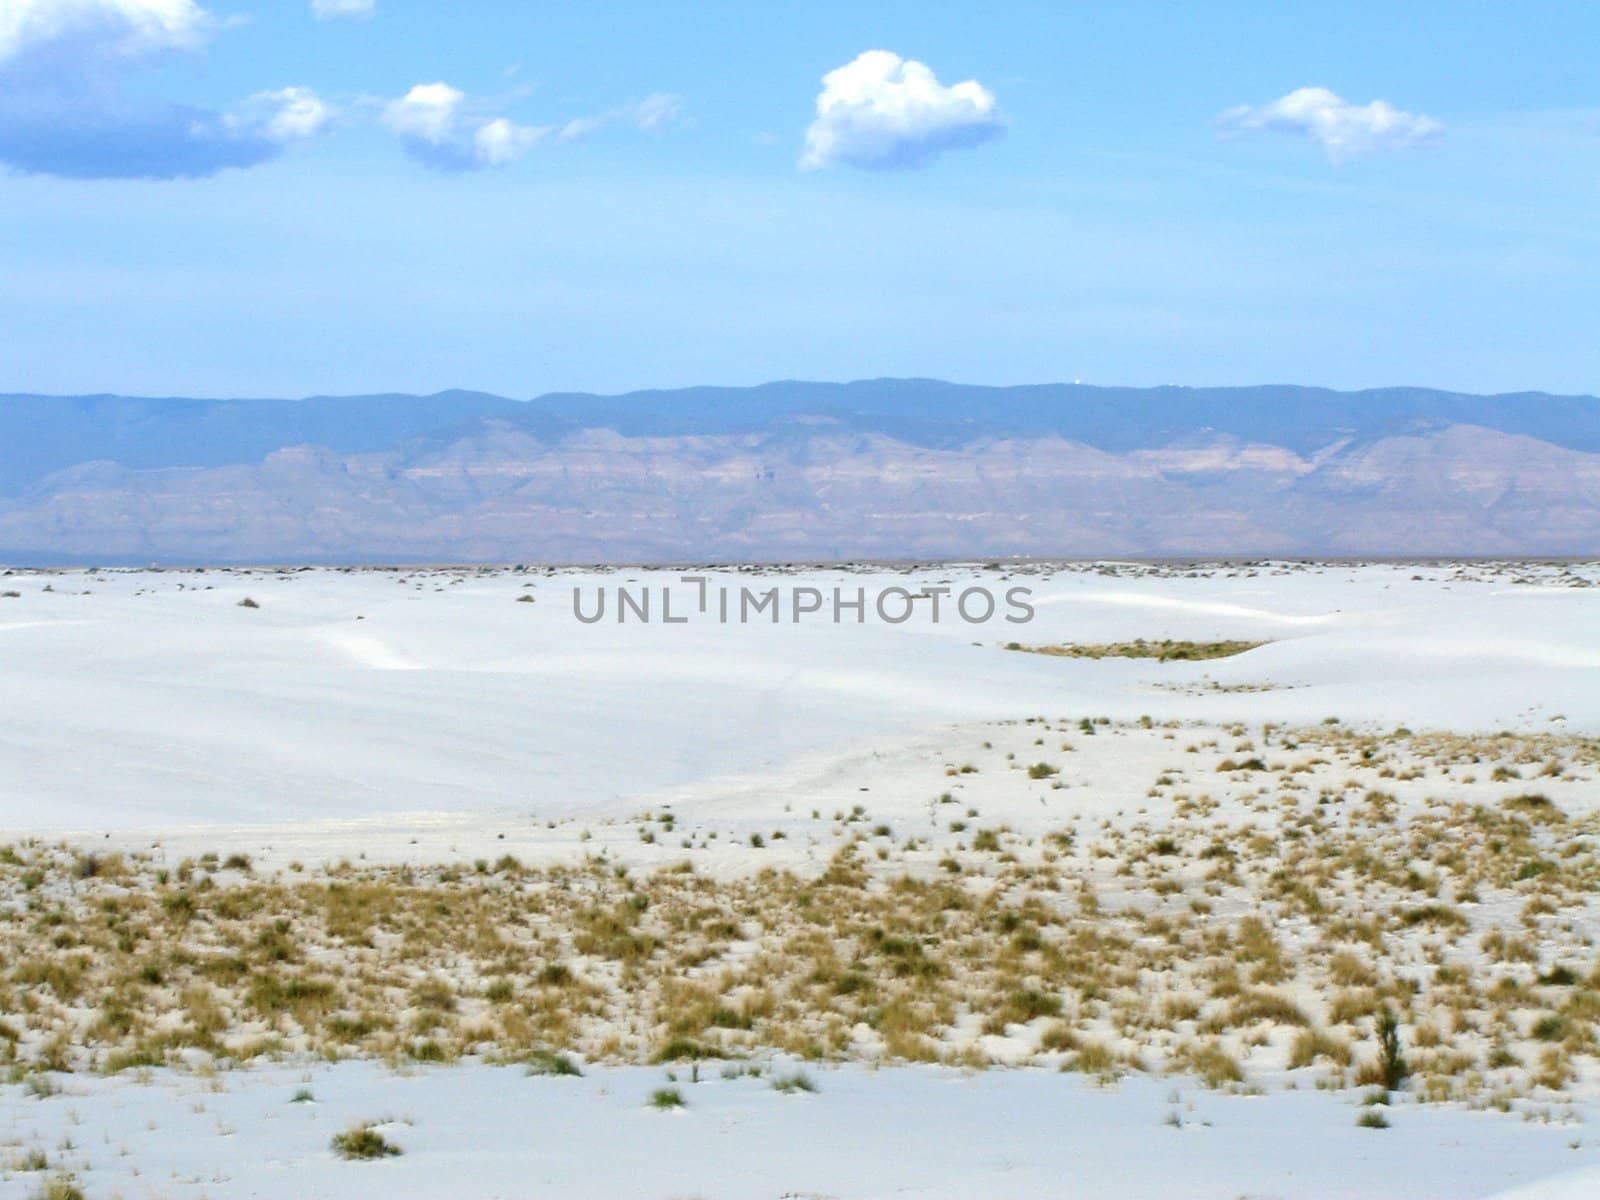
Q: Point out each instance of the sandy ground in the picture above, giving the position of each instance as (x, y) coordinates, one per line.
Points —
(153, 701)
(429, 716)
(919, 1132)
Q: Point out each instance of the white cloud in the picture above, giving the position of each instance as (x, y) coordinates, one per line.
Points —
(1342, 129)
(64, 109)
(657, 113)
(289, 114)
(654, 114)
(426, 112)
(443, 127)
(327, 10)
(503, 141)
(882, 110)
(111, 28)
(436, 124)
(579, 128)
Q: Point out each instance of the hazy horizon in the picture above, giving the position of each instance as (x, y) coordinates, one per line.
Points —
(758, 383)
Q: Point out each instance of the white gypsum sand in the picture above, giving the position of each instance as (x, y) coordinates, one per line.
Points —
(1429, 851)
(153, 699)
(493, 1132)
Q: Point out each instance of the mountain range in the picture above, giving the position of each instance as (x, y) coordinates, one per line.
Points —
(889, 468)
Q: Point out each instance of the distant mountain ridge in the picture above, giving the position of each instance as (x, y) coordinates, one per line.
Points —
(40, 434)
(43, 434)
(935, 413)
(888, 467)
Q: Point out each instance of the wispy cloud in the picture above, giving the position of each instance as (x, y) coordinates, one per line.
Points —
(443, 127)
(654, 114)
(881, 110)
(1343, 130)
(328, 10)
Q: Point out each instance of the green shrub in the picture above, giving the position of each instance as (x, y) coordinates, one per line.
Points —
(666, 1098)
(1391, 1061)
(363, 1142)
(681, 1049)
(548, 1062)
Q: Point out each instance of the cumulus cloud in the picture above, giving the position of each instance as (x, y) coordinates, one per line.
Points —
(1342, 129)
(502, 141)
(427, 112)
(439, 126)
(63, 109)
(443, 127)
(100, 28)
(882, 110)
(288, 114)
(328, 10)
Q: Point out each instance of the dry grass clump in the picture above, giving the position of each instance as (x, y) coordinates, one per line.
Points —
(363, 1142)
(1166, 650)
(1208, 1060)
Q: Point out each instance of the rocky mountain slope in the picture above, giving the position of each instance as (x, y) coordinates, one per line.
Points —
(889, 468)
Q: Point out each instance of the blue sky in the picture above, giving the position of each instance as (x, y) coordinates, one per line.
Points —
(249, 199)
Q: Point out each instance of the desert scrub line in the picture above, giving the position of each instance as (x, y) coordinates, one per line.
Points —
(1161, 651)
(1321, 928)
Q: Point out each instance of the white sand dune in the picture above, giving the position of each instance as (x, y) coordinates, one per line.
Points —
(151, 699)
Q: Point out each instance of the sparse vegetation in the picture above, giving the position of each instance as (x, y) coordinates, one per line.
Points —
(1391, 1061)
(59, 1187)
(1316, 912)
(547, 1062)
(363, 1142)
(666, 1099)
(1165, 650)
